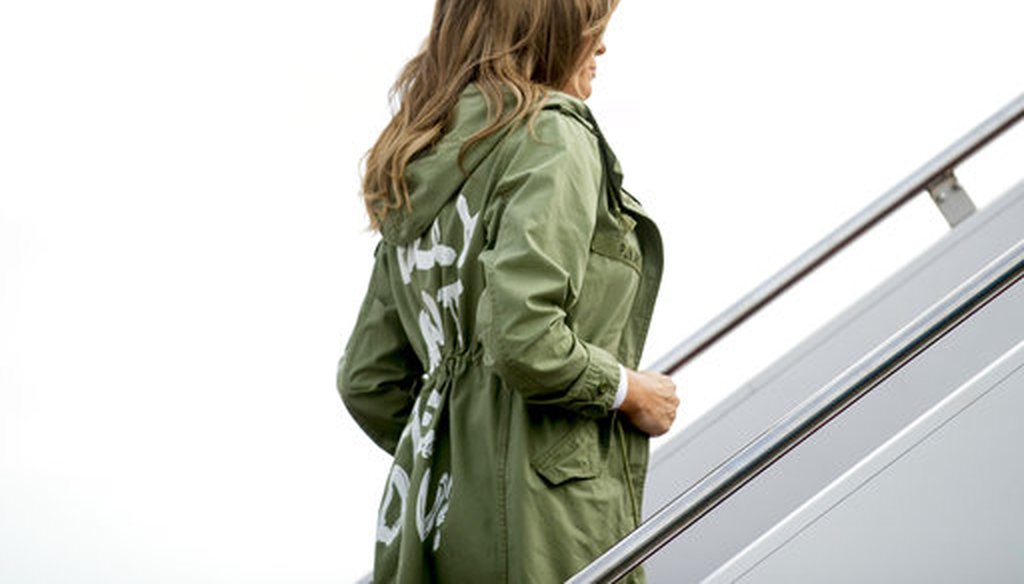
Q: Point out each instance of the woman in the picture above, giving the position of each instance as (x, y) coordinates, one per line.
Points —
(509, 302)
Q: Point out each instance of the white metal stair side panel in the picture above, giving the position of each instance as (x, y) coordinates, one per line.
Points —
(939, 502)
(841, 444)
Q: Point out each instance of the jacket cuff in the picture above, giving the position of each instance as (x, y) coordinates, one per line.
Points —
(602, 376)
(623, 388)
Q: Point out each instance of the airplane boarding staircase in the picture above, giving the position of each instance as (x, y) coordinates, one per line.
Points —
(885, 447)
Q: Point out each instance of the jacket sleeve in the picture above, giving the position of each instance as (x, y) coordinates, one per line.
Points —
(539, 243)
(379, 374)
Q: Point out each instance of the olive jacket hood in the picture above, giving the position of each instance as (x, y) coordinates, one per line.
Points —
(435, 177)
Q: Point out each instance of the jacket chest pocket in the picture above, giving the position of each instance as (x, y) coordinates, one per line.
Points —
(618, 242)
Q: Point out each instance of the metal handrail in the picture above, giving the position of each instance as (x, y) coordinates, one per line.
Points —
(931, 172)
(807, 418)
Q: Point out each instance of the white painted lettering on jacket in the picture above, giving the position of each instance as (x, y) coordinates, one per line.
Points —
(431, 329)
(398, 483)
(439, 307)
(468, 226)
(448, 296)
(412, 258)
(432, 520)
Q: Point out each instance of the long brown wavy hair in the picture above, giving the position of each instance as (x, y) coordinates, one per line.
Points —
(518, 47)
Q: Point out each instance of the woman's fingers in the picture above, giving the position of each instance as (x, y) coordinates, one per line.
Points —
(651, 402)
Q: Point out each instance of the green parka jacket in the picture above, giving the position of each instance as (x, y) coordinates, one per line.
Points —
(486, 353)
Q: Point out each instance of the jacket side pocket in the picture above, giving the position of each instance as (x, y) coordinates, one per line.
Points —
(577, 455)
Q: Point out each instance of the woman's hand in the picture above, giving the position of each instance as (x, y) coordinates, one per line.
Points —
(650, 402)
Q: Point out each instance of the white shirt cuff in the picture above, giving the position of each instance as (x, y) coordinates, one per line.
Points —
(620, 392)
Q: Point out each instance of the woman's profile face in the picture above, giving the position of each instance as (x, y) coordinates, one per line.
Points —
(580, 83)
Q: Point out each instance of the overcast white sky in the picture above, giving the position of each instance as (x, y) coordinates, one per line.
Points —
(182, 249)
